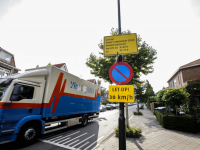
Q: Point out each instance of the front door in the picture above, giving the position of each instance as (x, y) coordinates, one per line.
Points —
(21, 107)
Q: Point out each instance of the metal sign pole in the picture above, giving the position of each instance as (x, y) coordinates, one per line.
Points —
(122, 128)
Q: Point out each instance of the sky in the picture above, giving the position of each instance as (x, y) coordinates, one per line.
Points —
(62, 31)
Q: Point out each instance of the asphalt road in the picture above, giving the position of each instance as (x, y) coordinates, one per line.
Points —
(77, 137)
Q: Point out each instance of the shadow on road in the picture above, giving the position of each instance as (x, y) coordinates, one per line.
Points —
(92, 129)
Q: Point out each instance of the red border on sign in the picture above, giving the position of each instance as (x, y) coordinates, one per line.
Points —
(120, 63)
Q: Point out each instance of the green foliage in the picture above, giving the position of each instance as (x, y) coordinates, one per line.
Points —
(102, 88)
(49, 64)
(137, 113)
(160, 96)
(104, 103)
(191, 87)
(159, 117)
(139, 92)
(131, 132)
(175, 96)
(150, 100)
(149, 89)
(187, 124)
(142, 63)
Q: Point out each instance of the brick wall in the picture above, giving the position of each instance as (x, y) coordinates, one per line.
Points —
(192, 73)
(15, 71)
(176, 77)
(12, 61)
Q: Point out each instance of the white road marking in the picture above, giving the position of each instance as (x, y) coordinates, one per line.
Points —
(60, 145)
(64, 137)
(56, 136)
(74, 138)
(83, 140)
(93, 143)
(62, 140)
(131, 117)
(83, 145)
(73, 142)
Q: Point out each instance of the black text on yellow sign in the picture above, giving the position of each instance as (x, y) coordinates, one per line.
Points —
(123, 44)
(121, 93)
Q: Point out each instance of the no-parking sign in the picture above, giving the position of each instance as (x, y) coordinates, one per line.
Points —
(121, 73)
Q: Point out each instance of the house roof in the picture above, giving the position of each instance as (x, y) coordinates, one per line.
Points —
(196, 62)
(92, 80)
(59, 65)
(191, 64)
(6, 51)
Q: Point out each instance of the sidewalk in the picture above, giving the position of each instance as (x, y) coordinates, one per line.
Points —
(154, 137)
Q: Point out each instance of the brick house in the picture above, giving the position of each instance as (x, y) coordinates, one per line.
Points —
(61, 66)
(7, 63)
(190, 71)
(92, 81)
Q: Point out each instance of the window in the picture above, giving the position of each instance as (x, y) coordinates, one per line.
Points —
(5, 56)
(4, 72)
(26, 92)
(174, 83)
(170, 85)
(179, 80)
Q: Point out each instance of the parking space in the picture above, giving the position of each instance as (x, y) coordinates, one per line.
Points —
(74, 140)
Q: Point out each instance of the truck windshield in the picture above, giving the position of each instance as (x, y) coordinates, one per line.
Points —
(3, 90)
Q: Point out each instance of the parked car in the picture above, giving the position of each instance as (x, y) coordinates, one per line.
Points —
(117, 105)
(102, 108)
(114, 106)
(130, 104)
(161, 109)
(109, 107)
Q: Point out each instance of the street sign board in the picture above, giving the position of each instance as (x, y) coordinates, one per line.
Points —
(123, 44)
(120, 73)
(121, 93)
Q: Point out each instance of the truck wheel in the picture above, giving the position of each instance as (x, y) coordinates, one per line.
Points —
(84, 120)
(27, 135)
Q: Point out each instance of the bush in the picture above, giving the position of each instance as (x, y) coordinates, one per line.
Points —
(181, 123)
(131, 132)
(137, 113)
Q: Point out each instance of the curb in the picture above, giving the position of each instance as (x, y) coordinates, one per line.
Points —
(111, 134)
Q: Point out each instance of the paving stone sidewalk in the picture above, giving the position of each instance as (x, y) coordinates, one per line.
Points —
(154, 137)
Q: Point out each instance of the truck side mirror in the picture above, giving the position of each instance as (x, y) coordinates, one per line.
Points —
(15, 93)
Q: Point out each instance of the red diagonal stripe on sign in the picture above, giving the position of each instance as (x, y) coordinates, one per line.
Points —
(121, 73)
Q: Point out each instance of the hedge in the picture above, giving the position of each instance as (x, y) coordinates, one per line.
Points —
(181, 123)
(131, 132)
(137, 113)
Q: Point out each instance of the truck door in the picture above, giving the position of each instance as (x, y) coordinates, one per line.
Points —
(23, 97)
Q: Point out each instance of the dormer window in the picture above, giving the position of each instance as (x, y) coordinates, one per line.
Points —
(5, 56)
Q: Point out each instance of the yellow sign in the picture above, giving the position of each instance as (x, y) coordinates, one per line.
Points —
(123, 44)
(121, 93)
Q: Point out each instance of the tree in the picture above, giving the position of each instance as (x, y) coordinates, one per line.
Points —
(139, 93)
(176, 97)
(192, 87)
(102, 88)
(160, 98)
(149, 89)
(49, 64)
(142, 63)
